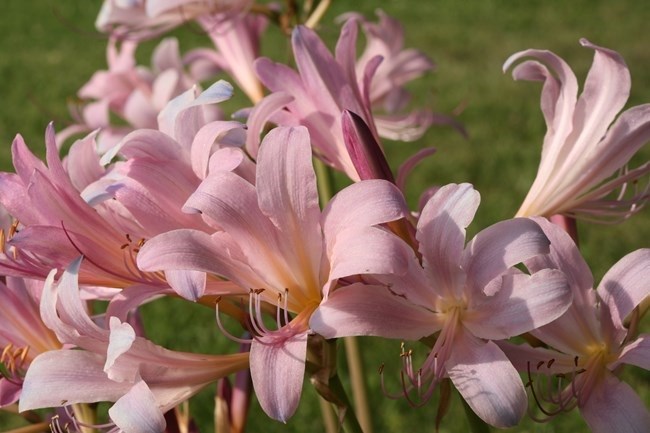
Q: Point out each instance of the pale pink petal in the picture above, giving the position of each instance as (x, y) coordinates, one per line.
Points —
(277, 367)
(533, 360)
(232, 202)
(62, 377)
(361, 309)
(637, 353)
(368, 250)
(190, 284)
(558, 99)
(288, 196)
(137, 411)
(441, 232)
(614, 407)
(260, 115)
(121, 338)
(188, 249)
(625, 285)
(625, 137)
(523, 303)
(605, 92)
(487, 381)
(318, 69)
(206, 140)
(363, 204)
(82, 162)
(499, 247)
(405, 169)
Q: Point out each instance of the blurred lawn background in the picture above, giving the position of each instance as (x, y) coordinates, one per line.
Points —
(49, 49)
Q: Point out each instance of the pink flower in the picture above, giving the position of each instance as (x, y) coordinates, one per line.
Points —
(143, 379)
(280, 250)
(238, 45)
(23, 336)
(133, 93)
(584, 158)
(148, 18)
(398, 66)
(106, 212)
(324, 86)
(470, 294)
(590, 340)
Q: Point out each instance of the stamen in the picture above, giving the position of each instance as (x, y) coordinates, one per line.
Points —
(223, 329)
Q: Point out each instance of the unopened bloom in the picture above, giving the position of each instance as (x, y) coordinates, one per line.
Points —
(278, 247)
(471, 294)
(584, 158)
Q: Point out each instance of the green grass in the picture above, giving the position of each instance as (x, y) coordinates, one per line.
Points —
(49, 50)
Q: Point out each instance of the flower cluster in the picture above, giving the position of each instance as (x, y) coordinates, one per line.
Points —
(162, 194)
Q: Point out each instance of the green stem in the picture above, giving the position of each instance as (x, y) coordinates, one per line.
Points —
(329, 418)
(359, 389)
(476, 424)
(324, 182)
(348, 419)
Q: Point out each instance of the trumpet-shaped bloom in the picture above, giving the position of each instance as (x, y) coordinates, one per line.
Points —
(279, 248)
(583, 158)
(238, 44)
(471, 294)
(591, 341)
(143, 379)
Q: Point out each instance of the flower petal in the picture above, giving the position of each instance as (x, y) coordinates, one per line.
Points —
(487, 381)
(441, 232)
(277, 368)
(288, 196)
(361, 309)
(62, 377)
(499, 247)
(523, 303)
(137, 411)
(637, 353)
(615, 407)
(121, 338)
(625, 285)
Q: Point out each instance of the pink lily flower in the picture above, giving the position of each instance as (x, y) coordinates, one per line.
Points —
(145, 19)
(143, 379)
(590, 340)
(69, 206)
(57, 224)
(315, 95)
(399, 65)
(238, 46)
(584, 158)
(23, 336)
(280, 250)
(470, 294)
(135, 94)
